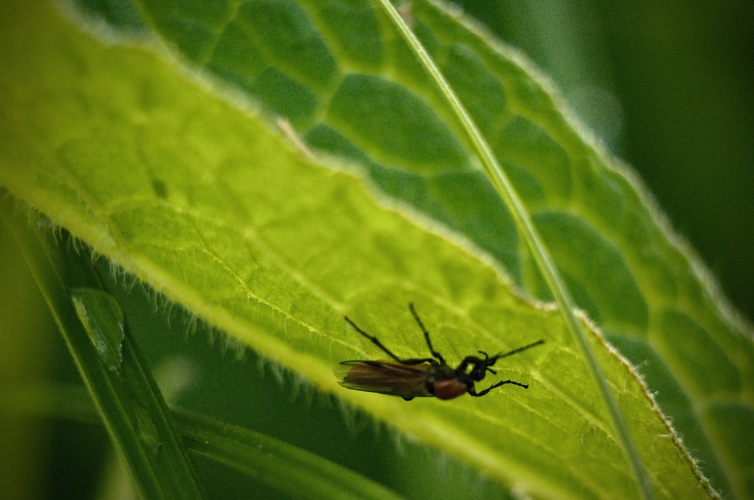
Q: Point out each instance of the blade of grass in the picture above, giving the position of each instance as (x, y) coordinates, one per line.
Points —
(115, 374)
(284, 466)
(280, 465)
(534, 242)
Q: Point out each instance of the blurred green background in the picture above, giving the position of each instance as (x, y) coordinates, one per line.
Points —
(665, 86)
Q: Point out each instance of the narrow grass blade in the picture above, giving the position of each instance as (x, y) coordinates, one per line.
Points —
(287, 468)
(283, 466)
(535, 243)
(118, 380)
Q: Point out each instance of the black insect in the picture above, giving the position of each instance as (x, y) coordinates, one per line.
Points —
(421, 377)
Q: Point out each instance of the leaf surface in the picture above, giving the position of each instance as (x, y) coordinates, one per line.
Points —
(174, 175)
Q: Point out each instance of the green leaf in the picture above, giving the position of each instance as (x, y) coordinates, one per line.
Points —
(170, 172)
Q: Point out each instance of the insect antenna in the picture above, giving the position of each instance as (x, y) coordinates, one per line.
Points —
(494, 358)
(426, 334)
(485, 363)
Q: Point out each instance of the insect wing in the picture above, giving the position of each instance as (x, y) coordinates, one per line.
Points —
(384, 377)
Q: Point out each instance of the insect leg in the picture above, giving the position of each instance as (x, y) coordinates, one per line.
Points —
(426, 334)
(387, 351)
(473, 392)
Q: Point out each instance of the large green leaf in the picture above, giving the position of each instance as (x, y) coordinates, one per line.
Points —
(165, 161)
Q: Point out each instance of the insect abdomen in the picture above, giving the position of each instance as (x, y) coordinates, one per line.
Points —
(449, 388)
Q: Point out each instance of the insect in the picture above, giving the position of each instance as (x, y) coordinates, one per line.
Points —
(421, 377)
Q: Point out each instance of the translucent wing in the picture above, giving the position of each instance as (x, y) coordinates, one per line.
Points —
(385, 377)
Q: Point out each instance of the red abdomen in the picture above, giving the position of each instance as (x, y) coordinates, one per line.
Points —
(449, 388)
